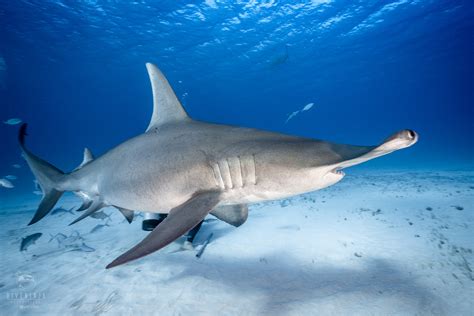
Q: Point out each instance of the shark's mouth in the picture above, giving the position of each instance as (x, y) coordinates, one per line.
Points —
(338, 171)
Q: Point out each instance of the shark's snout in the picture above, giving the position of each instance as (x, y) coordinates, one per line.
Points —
(408, 135)
(401, 139)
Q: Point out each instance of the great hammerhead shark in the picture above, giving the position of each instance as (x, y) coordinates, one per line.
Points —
(189, 169)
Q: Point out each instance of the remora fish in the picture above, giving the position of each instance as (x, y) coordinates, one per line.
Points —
(190, 168)
(29, 240)
(100, 215)
(98, 227)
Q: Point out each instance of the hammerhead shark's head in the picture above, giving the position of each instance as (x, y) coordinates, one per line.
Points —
(189, 169)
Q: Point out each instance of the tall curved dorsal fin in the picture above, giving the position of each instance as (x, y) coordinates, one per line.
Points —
(166, 106)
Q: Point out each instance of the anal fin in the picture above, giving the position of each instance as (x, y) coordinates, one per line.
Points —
(180, 220)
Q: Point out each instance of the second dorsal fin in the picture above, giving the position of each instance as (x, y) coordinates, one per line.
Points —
(166, 106)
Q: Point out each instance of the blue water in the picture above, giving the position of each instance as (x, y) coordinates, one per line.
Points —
(75, 71)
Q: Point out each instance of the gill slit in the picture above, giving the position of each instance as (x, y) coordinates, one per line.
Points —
(254, 169)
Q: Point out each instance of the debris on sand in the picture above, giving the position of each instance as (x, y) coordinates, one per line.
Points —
(378, 211)
(206, 242)
(80, 247)
(59, 237)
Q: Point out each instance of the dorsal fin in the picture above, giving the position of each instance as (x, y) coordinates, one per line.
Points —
(166, 106)
(88, 157)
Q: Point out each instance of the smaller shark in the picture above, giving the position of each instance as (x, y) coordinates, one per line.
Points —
(190, 169)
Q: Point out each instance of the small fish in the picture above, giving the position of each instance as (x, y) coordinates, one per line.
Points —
(99, 215)
(29, 240)
(62, 210)
(10, 177)
(292, 115)
(37, 192)
(97, 228)
(6, 184)
(12, 121)
(307, 107)
(16, 166)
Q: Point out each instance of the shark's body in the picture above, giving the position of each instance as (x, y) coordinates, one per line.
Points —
(163, 168)
(190, 168)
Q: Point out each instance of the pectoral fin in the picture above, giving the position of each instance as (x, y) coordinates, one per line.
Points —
(180, 220)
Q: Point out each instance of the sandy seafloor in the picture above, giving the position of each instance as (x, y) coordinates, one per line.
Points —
(380, 243)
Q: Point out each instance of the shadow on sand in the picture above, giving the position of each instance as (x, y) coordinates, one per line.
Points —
(284, 283)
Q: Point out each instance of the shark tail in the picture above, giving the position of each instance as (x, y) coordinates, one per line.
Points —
(48, 176)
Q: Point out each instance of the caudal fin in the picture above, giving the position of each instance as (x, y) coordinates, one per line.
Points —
(47, 175)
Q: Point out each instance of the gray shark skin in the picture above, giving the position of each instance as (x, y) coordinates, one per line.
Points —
(189, 169)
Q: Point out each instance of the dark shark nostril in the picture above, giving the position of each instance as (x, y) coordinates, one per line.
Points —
(411, 133)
